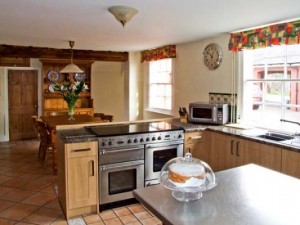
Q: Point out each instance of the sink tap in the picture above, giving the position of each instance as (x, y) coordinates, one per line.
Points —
(289, 121)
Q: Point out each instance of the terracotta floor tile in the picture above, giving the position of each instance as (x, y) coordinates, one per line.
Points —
(22, 223)
(15, 183)
(18, 211)
(5, 204)
(113, 221)
(39, 198)
(3, 169)
(91, 219)
(7, 222)
(53, 204)
(32, 175)
(151, 221)
(49, 189)
(4, 179)
(136, 208)
(128, 219)
(36, 185)
(13, 173)
(60, 221)
(108, 214)
(17, 195)
(142, 215)
(5, 190)
(123, 211)
(43, 216)
(134, 223)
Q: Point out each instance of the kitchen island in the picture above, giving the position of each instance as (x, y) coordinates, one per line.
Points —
(244, 195)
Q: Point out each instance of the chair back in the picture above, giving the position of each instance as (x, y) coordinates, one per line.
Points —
(34, 118)
(44, 132)
(108, 118)
(99, 115)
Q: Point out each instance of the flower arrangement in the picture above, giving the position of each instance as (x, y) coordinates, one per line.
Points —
(70, 92)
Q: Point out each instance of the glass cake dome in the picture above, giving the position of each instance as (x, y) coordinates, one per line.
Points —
(187, 178)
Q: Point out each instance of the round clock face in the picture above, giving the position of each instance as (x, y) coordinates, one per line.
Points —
(212, 56)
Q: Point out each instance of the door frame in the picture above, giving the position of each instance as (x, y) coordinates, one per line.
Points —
(5, 137)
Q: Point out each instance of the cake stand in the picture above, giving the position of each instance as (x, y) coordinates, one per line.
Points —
(193, 188)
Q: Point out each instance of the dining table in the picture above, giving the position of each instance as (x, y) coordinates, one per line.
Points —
(52, 122)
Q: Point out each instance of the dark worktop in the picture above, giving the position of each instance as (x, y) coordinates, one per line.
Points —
(244, 195)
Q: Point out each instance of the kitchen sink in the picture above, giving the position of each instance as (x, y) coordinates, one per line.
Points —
(275, 136)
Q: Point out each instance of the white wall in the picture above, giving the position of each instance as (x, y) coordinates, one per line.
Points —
(108, 90)
(193, 81)
(2, 104)
(136, 93)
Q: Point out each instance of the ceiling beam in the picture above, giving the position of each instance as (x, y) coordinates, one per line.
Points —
(53, 53)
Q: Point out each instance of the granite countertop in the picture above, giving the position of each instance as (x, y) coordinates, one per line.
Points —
(244, 195)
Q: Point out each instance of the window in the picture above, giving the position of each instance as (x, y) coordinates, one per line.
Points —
(272, 86)
(160, 86)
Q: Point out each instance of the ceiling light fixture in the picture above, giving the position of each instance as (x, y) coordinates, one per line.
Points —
(71, 68)
(122, 13)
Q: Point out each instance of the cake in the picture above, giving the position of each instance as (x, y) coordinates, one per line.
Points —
(181, 172)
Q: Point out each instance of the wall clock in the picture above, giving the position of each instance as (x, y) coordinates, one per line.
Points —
(212, 56)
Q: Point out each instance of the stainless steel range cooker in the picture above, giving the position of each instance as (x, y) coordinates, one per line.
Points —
(131, 156)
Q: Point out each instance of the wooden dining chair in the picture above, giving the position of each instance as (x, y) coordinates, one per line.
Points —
(58, 113)
(47, 148)
(34, 121)
(108, 118)
(98, 115)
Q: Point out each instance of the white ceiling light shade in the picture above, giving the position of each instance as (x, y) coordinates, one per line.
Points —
(71, 68)
(122, 13)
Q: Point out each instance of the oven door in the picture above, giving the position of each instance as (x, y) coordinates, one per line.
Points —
(118, 180)
(157, 155)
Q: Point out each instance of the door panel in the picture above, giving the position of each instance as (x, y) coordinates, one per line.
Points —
(22, 97)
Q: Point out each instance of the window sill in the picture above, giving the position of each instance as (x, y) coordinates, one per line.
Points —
(160, 111)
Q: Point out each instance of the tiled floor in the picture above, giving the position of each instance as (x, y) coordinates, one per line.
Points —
(27, 196)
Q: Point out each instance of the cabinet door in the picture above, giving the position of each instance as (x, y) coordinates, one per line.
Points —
(82, 182)
(290, 163)
(194, 142)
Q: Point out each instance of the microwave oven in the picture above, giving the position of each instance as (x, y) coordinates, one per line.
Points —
(208, 113)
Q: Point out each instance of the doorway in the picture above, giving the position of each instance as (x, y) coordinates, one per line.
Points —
(22, 103)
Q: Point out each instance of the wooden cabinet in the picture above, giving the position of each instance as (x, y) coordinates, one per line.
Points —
(227, 152)
(50, 75)
(14, 61)
(194, 142)
(78, 178)
(291, 163)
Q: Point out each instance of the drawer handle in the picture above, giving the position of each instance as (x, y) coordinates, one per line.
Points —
(231, 147)
(195, 137)
(92, 168)
(81, 150)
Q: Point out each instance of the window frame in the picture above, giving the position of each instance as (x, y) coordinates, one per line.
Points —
(242, 82)
(147, 91)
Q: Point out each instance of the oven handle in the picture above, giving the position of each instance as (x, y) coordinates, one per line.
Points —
(103, 151)
(121, 165)
(173, 143)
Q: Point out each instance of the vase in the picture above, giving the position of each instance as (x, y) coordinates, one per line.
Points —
(71, 109)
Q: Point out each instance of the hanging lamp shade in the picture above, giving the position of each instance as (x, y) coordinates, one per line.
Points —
(122, 13)
(71, 68)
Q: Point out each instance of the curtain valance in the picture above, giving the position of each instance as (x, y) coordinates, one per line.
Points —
(285, 33)
(164, 52)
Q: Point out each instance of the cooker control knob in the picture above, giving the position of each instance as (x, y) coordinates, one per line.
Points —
(153, 139)
(103, 143)
(179, 136)
(135, 140)
(109, 143)
(129, 141)
(142, 140)
(159, 138)
(147, 139)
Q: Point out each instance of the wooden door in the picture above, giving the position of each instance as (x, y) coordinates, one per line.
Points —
(23, 101)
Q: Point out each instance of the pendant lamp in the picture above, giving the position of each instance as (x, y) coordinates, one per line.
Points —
(71, 68)
(122, 13)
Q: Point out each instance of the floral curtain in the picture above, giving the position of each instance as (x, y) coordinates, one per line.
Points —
(164, 52)
(285, 33)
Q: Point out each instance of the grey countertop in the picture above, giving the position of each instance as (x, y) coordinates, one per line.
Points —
(245, 195)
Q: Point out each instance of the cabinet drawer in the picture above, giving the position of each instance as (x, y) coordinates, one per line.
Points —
(193, 137)
(84, 149)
